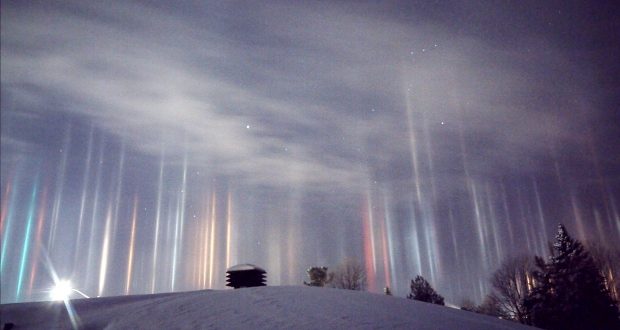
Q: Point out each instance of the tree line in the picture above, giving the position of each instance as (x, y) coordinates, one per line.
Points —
(577, 287)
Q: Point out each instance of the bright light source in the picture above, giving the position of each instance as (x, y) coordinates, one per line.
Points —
(61, 291)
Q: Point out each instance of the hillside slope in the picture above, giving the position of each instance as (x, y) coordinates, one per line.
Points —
(250, 308)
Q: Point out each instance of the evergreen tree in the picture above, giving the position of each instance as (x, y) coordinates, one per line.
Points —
(317, 275)
(421, 290)
(608, 262)
(570, 292)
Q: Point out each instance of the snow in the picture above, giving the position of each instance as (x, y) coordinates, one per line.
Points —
(297, 307)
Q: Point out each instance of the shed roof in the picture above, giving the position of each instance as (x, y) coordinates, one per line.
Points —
(242, 267)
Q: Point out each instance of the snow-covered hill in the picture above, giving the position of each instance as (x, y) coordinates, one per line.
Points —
(290, 307)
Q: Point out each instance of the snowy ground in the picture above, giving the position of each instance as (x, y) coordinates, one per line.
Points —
(292, 307)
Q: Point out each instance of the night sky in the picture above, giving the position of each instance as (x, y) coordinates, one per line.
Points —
(147, 146)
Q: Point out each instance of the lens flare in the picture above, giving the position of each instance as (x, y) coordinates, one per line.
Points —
(61, 291)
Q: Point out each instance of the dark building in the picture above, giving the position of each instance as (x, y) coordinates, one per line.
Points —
(245, 276)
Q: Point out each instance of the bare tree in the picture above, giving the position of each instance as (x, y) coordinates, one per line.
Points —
(349, 275)
(512, 282)
(491, 306)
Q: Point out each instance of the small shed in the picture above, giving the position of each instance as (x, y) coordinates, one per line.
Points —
(245, 276)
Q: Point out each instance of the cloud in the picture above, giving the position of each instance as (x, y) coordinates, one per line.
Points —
(282, 94)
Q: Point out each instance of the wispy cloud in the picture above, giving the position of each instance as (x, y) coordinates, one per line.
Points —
(282, 94)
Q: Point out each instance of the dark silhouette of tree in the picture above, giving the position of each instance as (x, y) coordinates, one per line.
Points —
(608, 262)
(387, 291)
(511, 283)
(468, 305)
(421, 290)
(349, 275)
(317, 275)
(490, 306)
(570, 293)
